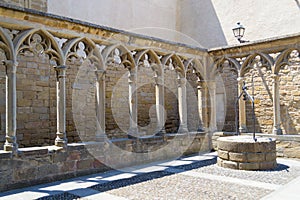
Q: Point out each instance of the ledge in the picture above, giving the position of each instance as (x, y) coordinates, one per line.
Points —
(269, 43)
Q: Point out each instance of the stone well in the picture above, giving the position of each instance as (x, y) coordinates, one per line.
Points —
(242, 152)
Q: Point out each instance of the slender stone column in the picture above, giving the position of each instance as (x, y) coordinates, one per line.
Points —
(61, 139)
(276, 106)
(132, 104)
(242, 107)
(11, 106)
(201, 105)
(182, 106)
(213, 105)
(159, 97)
(100, 105)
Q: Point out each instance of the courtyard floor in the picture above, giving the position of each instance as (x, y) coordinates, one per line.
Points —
(192, 177)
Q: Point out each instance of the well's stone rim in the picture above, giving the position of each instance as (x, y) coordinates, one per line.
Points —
(246, 139)
(244, 153)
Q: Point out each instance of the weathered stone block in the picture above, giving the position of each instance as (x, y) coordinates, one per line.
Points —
(270, 156)
(239, 157)
(267, 165)
(230, 164)
(223, 154)
(249, 166)
(85, 164)
(255, 157)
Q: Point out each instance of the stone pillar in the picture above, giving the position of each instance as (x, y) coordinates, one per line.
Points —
(159, 97)
(182, 106)
(213, 118)
(276, 106)
(11, 106)
(100, 105)
(201, 105)
(242, 107)
(61, 139)
(133, 130)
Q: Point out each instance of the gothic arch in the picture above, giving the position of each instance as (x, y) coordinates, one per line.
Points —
(197, 66)
(282, 59)
(218, 66)
(39, 41)
(153, 58)
(7, 45)
(179, 66)
(265, 59)
(91, 51)
(125, 55)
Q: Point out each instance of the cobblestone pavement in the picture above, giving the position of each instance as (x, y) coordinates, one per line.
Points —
(192, 177)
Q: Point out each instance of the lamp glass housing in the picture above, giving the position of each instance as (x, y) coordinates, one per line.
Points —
(238, 31)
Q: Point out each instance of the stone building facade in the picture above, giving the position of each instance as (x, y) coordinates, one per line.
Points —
(78, 98)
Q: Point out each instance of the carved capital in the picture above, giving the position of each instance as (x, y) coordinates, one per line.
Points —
(200, 84)
(275, 77)
(11, 66)
(240, 80)
(60, 71)
(181, 82)
(131, 77)
(158, 80)
(100, 74)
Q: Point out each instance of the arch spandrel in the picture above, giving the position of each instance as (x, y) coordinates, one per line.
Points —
(194, 64)
(85, 48)
(177, 61)
(264, 59)
(39, 41)
(123, 54)
(153, 58)
(6, 44)
(218, 66)
(283, 59)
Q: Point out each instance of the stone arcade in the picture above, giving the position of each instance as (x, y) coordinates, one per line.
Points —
(78, 98)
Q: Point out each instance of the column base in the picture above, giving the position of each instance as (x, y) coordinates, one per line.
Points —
(10, 144)
(183, 129)
(277, 131)
(101, 137)
(243, 129)
(133, 133)
(10, 147)
(61, 142)
(201, 129)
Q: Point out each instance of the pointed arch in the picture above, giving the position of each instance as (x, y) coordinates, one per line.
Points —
(180, 69)
(69, 50)
(218, 65)
(50, 45)
(7, 45)
(282, 59)
(126, 56)
(197, 65)
(153, 57)
(266, 61)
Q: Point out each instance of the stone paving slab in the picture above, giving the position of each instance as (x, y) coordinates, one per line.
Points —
(192, 177)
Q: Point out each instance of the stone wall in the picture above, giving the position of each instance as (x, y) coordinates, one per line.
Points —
(38, 165)
(193, 119)
(171, 101)
(289, 99)
(117, 107)
(40, 5)
(2, 103)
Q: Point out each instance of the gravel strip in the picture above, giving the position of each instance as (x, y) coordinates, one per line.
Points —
(183, 187)
(130, 181)
(280, 175)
